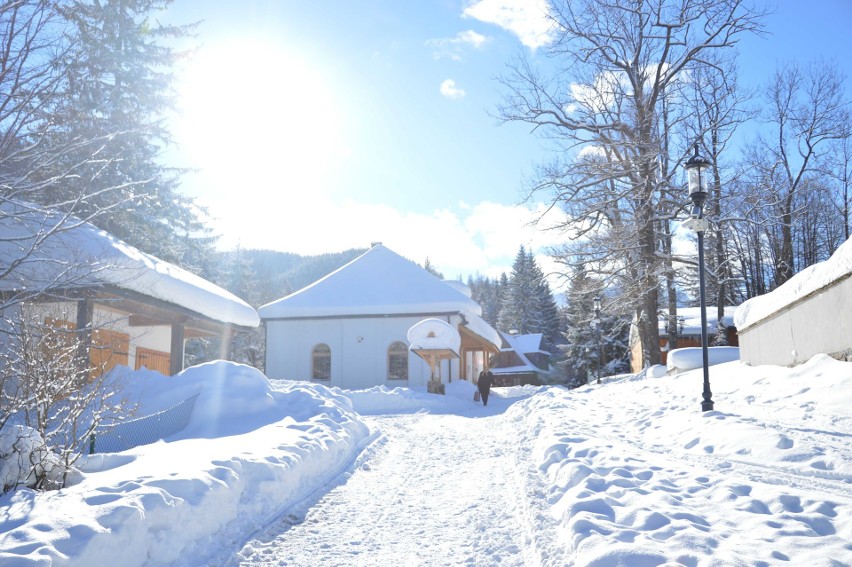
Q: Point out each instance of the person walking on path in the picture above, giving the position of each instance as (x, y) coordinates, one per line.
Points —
(484, 384)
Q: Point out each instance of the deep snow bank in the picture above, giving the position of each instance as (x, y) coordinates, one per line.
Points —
(249, 452)
(634, 474)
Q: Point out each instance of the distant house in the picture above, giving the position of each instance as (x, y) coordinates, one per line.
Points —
(128, 307)
(808, 315)
(688, 333)
(350, 328)
(521, 360)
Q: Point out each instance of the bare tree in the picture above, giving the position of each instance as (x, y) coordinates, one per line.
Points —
(842, 172)
(618, 62)
(720, 106)
(807, 112)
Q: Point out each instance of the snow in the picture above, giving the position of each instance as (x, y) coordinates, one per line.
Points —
(682, 359)
(629, 472)
(434, 334)
(376, 283)
(801, 285)
(524, 344)
(79, 254)
(689, 320)
(480, 326)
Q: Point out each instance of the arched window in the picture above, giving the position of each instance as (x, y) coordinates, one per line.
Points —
(398, 361)
(321, 362)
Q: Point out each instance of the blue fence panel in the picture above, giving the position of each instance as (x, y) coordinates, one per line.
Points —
(142, 431)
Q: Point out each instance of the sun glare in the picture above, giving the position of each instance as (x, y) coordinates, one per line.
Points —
(258, 117)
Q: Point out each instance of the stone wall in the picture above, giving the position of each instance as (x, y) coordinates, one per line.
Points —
(820, 322)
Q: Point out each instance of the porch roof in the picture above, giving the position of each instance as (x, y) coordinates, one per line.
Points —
(49, 250)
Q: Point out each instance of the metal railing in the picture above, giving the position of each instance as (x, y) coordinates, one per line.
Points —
(143, 430)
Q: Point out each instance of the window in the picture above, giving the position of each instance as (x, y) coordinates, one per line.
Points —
(321, 362)
(398, 361)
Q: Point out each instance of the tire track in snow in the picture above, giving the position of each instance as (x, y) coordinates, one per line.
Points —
(437, 490)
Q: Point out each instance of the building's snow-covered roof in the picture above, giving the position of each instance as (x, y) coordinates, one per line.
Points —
(521, 345)
(806, 282)
(379, 282)
(480, 326)
(57, 251)
(526, 344)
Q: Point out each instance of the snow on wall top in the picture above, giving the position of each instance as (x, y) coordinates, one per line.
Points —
(809, 280)
(379, 282)
(59, 251)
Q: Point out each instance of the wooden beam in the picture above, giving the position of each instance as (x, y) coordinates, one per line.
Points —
(176, 355)
(85, 313)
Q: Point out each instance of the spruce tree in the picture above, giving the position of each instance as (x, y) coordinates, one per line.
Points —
(546, 312)
(578, 352)
(487, 293)
(429, 267)
(527, 304)
(111, 125)
(516, 308)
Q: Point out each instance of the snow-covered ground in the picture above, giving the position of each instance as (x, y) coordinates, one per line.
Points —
(629, 472)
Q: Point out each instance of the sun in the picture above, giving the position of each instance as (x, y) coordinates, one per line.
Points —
(255, 114)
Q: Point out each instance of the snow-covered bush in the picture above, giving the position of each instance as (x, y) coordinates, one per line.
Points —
(51, 400)
(25, 459)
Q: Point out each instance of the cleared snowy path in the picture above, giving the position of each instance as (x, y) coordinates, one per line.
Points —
(432, 490)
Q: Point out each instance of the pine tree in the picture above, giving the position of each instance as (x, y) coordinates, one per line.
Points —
(547, 312)
(487, 293)
(111, 124)
(516, 309)
(591, 349)
(527, 304)
(432, 270)
(578, 352)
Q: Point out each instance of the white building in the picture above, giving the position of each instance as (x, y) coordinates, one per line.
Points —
(349, 329)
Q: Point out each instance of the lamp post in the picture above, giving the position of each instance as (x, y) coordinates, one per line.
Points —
(596, 325)
(696, 166)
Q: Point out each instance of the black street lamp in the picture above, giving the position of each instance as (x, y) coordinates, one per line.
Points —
(696, 167)
(596, 325)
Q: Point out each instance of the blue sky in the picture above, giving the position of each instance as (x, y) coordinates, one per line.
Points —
(319, 126)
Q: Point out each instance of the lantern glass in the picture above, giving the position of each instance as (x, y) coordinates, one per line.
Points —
(696, 179)
(696, 166)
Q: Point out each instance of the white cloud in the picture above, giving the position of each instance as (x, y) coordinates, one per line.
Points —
(453, 47)
(527, 19)
(450, 90)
